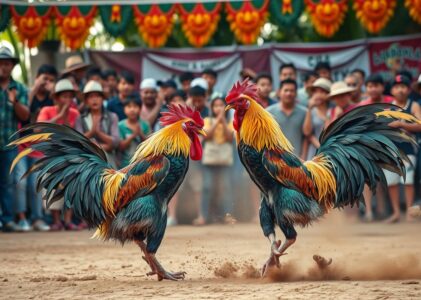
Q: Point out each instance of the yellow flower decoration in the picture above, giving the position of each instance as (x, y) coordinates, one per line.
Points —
(414, 8)
(327, 15)
(374, 14)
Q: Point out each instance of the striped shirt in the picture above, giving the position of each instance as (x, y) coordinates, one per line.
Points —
(8, 120)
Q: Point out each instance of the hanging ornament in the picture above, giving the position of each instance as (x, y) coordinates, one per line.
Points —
(374, 14)
(327, 15)
(199, 21)
(73, 23)
(414, 9)
(4, 16)
(155, 23)
(286, 12)
(246, 19)
(115, 18)
(31, 23)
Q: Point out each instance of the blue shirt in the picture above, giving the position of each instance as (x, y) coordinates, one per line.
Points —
(115, 105)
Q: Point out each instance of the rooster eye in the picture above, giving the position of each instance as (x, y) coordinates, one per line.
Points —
(190, 123)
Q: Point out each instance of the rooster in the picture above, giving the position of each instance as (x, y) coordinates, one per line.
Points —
(125, 205)
(353, 151)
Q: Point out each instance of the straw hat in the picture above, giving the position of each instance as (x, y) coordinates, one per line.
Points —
(6, 53)
(322, 83)
(73, 63)
(339, 88)
(93, 87)
(63, 85)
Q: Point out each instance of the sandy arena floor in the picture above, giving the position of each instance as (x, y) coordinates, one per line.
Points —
(373, 261)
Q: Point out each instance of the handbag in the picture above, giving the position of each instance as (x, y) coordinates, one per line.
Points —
(215, 154)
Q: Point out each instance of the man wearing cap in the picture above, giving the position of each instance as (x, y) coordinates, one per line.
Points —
(401, 90)
(151, 104)
(341, 95)
(13, 109)
(316, 115)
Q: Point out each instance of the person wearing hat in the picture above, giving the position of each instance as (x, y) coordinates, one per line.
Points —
(97, 123)
(401, 88)
(152, 104)
(316, 115)
(341, 95)
(13, 109)
(77, 67)
(61, 113)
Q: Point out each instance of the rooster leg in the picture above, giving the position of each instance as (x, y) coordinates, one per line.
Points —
(156, 267)
(291, 236)
(274, 255)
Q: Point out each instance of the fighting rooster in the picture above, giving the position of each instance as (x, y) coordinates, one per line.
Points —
(353, 151)
(128, 204)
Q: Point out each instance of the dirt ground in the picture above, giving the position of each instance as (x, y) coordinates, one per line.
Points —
(370, 261)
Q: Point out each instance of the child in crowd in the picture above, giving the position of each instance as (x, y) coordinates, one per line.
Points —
(133, 130)
(125, 89)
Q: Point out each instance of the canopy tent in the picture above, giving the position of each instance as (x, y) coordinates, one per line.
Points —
(199, 21)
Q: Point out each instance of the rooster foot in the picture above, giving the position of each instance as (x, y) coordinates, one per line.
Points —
(273, 258)
(322, 262)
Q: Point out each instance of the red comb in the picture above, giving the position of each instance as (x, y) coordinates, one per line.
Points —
(246, 88)
(177, 113)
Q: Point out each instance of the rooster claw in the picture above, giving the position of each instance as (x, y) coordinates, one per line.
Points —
(171, 276)
(322, 262)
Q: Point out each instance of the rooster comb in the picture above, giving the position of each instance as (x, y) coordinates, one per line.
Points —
(177, 113)
(246, 87)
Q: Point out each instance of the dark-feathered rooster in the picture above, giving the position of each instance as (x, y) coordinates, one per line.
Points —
(353, 151)
(128, 204)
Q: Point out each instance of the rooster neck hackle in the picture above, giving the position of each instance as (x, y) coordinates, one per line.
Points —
(171, 140)
(261, 131)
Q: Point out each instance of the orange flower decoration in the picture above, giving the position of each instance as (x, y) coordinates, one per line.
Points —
(247, 21)
(199, 24)
(115, 13)
(327, 15)
(374, 14)
(414, 8)
(31, 26)
(154, 26)
(74, 26)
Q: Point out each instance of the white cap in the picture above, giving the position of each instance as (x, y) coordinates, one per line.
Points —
(148, 83)
(200, 82)
(419, 79)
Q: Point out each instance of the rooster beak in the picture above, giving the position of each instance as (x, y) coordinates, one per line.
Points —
(228, 107)
(202, 132)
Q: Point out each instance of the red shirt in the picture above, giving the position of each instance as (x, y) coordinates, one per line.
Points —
(386, 99)
(49, 112)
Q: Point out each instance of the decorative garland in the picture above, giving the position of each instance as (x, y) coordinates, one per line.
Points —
(414, 9)
(115, 18)
(73, 23)
(327, 15)
(155, 23)
(247, 19)
(374, 14)
(286, 12)
(199, 21)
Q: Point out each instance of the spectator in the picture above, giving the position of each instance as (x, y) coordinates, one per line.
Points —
(39, 97)
(341, 95)
(111, 77)
(401, 90)
(264, 88)
(13, 109)
(360, 75)
(97, 123)
(166, 88)
(197, 98)
(374, 86)
(125, 89)
(323, 70)
(316, 115)
(185, 79)
(75, 66)
(211, 77)
(178, 97)
(304, 93)
(151, 103)
(61, 113)
(352, 81)
(290, 116)
(133, 130)
(40, 94)
(287, 71)
(217, 160)
(93, 73)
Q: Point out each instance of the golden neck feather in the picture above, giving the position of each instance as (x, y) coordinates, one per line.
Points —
(171, 140)
(261, 131)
